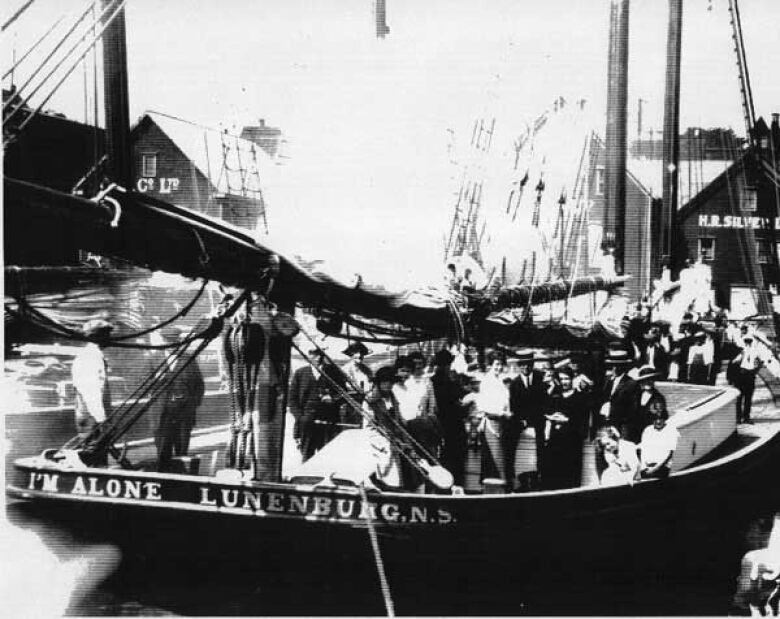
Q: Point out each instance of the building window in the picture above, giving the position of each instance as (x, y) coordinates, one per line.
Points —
(765, 249)
(707, 248)
(600, 180)
(749, 199)
(149, 165)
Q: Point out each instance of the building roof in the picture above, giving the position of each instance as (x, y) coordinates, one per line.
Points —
(232, 165)
(692, 177)
(717, 183)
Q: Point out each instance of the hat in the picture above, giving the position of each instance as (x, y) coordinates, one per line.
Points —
(355, 348)
(443, 357)
(617, 357)
(524, 356)
(646, 372)
(95, 327)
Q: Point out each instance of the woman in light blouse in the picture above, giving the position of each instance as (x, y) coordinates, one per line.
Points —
(492, 405)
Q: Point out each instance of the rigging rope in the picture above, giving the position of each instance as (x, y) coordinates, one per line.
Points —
(33, 47)
(399, 437)
(16, 15)
(380, 565)
(32, 314)
(127, 414)
(35, 313)
(91, 44)
(395, 441)
(46, 60)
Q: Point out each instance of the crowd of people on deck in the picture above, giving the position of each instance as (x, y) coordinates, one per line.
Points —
(530, 420)
(527, 418)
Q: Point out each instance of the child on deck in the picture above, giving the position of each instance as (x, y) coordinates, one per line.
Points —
(659, 441)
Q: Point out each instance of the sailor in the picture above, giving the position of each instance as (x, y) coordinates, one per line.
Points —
(303, 386)
(90, 377)
(746, 365)
(526, 402)
(180, 400)
(451, 413)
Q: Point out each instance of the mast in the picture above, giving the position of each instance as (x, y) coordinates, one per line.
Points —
(617, 119)
(120, 167)
(671, 140)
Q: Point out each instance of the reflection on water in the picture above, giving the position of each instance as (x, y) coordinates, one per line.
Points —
(51, 573)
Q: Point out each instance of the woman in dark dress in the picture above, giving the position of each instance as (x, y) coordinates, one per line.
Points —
(564, 432)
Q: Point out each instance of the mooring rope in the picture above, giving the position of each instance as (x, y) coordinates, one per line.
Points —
(384, 585)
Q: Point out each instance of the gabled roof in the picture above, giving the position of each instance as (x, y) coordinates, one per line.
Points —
(692, 177)
(231, 164)
(713, 187)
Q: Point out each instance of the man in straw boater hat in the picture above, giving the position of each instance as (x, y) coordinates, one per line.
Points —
(700, 358)
(90, 377)
(621, 393)
(654, 353)
(649, 396)
(526, 402)
(179, 401)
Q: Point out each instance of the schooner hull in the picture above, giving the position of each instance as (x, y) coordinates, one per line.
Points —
(299, 505)
(489, 544)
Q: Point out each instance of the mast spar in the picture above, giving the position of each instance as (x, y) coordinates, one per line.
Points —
(617, 101)
(120, 166)
(671, 140)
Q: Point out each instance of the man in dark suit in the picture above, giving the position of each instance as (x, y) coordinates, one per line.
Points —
(527, 398)
(654, 354)
(303, 387)
(620, 396)
(179, 401)
(649, 397)
(451, 413)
